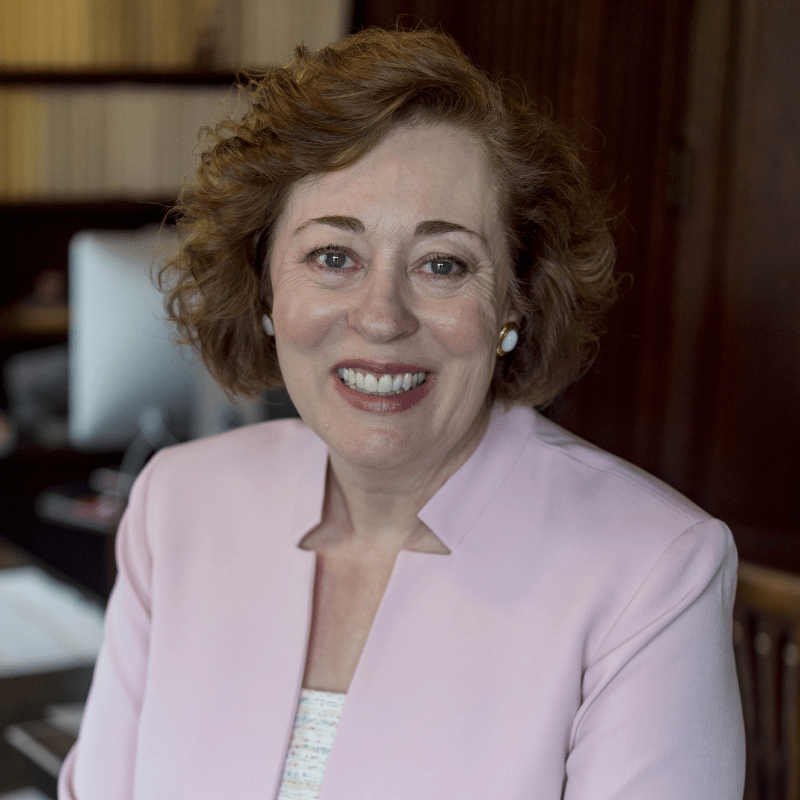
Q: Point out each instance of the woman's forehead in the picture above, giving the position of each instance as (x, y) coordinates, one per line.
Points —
(416, 173)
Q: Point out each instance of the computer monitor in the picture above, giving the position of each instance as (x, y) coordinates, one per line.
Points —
(124, 367)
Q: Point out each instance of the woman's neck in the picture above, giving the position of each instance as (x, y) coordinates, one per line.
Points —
(375, 520)
(378, 510)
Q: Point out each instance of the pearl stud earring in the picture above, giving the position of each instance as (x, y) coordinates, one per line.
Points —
(269, 328)
(509, 336)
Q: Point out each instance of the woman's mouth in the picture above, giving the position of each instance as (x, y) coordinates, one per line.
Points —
(380, 385)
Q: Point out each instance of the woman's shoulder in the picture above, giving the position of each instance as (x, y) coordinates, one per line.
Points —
(559, 464)
(577, 463)
(263, 463)
(257, 446)
(192, 495)
(595, 500)
(601, 528)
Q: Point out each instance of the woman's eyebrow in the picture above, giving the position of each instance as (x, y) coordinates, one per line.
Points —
(434, 227)
(431, 227)
(350, 224)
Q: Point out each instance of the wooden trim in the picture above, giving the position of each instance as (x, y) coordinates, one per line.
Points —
(771, 590)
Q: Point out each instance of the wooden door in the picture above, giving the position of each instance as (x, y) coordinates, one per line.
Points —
(732, 434)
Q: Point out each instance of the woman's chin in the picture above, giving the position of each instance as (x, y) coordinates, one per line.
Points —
(378, 449)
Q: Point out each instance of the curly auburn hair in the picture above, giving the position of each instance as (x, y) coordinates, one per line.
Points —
(326, 110)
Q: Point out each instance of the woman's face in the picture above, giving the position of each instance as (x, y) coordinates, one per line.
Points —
(390, 268)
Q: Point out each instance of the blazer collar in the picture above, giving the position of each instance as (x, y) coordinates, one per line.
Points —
(453, 510)
(311, 480)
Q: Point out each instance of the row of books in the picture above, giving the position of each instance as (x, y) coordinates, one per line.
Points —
(115, 141)
(125, 34)
(163, 34)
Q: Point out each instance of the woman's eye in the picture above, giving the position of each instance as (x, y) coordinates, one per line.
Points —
(443, 267)
(334, 260)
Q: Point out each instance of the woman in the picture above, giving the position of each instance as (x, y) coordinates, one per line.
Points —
(489, 606)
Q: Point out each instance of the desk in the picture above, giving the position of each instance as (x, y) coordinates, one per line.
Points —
(24, 697)
(45, 748)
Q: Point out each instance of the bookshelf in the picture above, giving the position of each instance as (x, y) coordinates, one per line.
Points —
(100, 105)
(83, 150)
(108, 140)
(80, 150)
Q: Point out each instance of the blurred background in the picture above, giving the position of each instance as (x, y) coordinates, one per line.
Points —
(690, 116)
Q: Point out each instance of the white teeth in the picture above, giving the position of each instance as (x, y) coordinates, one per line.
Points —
(382, 385)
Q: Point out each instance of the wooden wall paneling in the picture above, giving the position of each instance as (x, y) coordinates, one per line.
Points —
(638, 88)
(707, 117)
(735, 381)
(658, 232)
(598, 98)
(753, 474)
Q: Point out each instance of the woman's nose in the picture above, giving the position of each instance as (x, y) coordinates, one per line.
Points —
(381, 310)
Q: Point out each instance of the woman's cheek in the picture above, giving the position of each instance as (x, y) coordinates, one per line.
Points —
(466, 330)
(304, 319)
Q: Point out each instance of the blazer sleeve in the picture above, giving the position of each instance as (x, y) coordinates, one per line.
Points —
(661, 715)
(101, 764)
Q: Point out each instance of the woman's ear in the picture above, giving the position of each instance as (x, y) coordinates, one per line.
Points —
(508, 313)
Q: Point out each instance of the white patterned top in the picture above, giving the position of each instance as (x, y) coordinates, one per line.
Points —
(312, 738)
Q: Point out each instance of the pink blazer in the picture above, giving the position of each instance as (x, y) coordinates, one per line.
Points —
(575, 644)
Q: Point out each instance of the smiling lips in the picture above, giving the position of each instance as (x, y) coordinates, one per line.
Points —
(381, 388)
(384, 385)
